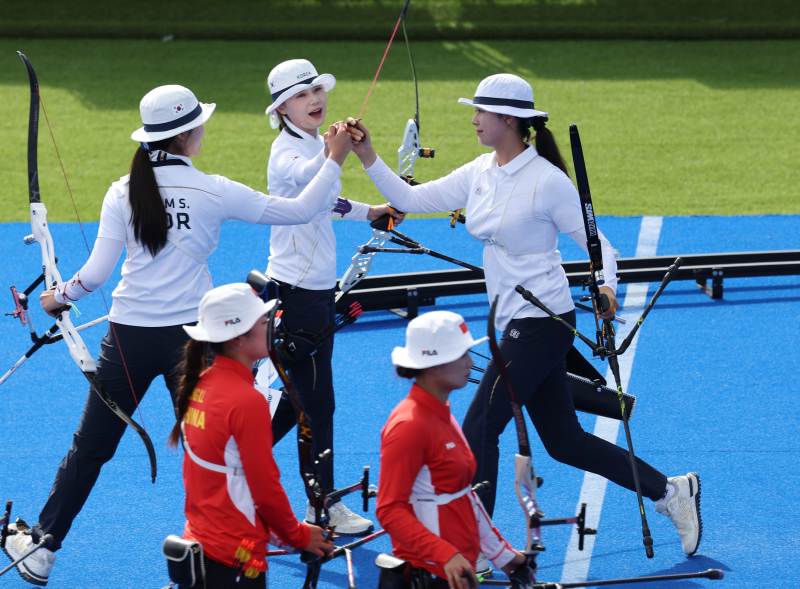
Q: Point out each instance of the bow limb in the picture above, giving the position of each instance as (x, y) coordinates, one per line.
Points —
(408, 152)
(41, 234)
(410, 149)
(525, 476)
(312, 481)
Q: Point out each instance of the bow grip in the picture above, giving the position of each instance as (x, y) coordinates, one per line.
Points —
(603, 302)
(385, 222)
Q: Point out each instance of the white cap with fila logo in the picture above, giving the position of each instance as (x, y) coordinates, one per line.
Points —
(227, 312)
(433, 339)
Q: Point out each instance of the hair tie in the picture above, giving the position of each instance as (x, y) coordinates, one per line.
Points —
(538, 123)
(145, 146)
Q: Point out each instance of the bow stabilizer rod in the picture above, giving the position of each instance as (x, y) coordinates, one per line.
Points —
(713, 574)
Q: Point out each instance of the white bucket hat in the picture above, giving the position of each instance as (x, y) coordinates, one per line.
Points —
(227, 312)
(433, 339)
(293, 76)
(169, 110)
(505, 94)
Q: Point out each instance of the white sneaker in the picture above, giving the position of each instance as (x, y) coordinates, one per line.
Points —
(483, 567)
(36, 568)
(347, 523)
(683, 510)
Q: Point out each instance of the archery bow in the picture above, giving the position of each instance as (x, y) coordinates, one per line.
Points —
(601, 304)
(523, 464)
(52, 278)
(410, 149)
(305, 448)
(407, 154)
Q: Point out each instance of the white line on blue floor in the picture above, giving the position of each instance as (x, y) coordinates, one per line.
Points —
(593, 490)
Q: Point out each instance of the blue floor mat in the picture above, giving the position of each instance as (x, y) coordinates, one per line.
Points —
(714, 381)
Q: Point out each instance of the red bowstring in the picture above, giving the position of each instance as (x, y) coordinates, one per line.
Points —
(381, 65)
(88, 249)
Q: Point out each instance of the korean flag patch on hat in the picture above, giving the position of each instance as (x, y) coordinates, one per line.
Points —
(168, 111)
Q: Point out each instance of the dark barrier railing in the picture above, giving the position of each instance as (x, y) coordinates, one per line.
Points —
(411, 290)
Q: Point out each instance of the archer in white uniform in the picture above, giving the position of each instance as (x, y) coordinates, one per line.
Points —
(167, 214)
(517, 200)
(303, 257)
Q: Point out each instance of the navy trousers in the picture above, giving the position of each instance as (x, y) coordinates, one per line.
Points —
(534, 350)
(310, 311)
(149, 352)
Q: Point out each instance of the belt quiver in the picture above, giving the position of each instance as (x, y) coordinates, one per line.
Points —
(184, 561)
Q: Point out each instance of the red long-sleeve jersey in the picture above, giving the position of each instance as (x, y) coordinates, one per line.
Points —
(424, 496)
(228, 423)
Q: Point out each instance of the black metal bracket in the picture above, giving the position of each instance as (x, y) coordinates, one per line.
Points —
(412, 305)
(715, 290)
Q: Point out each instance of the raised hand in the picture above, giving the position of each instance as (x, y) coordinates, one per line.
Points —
(338, 141)
(362, 142)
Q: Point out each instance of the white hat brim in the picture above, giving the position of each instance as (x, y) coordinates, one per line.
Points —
(201, 333)
(402, 356)
(522, 113)
(327, 81)
(143, 136)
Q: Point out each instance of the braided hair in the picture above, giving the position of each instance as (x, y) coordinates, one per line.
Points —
(544, 142)
(197, 358)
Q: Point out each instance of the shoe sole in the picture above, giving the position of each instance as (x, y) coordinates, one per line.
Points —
(27, 576)
(697, 511)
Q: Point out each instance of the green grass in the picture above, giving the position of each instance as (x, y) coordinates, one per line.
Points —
(428, 19)
(668, 128)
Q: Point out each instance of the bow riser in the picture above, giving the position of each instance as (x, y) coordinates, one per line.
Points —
(525, 486)
(41, 235)
(361, 263)
(408, 152)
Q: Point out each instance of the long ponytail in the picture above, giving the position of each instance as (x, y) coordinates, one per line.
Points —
(544, 142)
(197, 357)
(149, 216)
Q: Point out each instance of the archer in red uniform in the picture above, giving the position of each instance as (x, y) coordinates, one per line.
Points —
(425, 502)
(233, 486)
